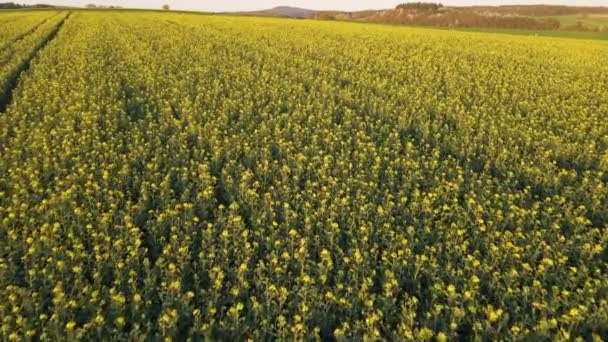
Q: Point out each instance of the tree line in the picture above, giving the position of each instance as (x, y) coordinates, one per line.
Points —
(420, 6)
(12, 5)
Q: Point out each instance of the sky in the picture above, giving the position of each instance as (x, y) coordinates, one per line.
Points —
(346, 5)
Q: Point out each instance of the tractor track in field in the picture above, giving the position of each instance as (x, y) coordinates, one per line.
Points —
(12, 82)
(27, 32)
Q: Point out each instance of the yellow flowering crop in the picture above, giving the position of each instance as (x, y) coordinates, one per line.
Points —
(174, 176)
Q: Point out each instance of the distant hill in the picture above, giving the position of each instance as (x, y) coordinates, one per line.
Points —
(284, 11)
(292, 12)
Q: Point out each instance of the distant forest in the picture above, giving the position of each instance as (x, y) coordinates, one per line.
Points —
(12, 5)
(420, 6)
(538, 10)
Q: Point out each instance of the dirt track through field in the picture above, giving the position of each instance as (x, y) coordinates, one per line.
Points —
(13, 81)
(28, 32)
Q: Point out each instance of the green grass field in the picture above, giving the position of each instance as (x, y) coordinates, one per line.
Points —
(542, 33)
(567, 21)
(189, 177)
(588, 19)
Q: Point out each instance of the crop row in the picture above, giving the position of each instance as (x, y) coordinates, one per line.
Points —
(20, 39)
(15, 24)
